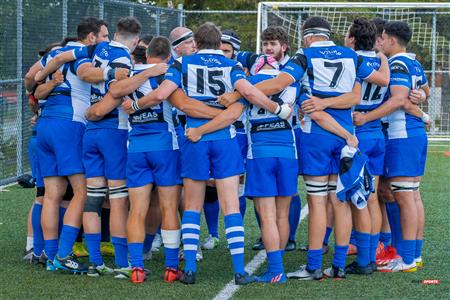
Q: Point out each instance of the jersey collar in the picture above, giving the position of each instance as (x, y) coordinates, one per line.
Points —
(210, 51)
(77, 44)
(411, 56)
(139, 67)
(322, 44)
(284, 60)
(367, 53)
(119, 45)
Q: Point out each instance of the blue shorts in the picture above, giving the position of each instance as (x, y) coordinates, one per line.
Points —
(319, 154)
(159, 167)
(105, 153)
(60, 147)
(406, 157)
(180, 135)
(298, 134)
(34, 162)
(211, 159)
(271, 176)
(243, 143)
(374, 149)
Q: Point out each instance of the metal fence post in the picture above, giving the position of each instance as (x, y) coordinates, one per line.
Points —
(433, 109)
(131, 9)
(19, 116)
(101, 9)
(64, 19)
(158, 22)
(180, 15)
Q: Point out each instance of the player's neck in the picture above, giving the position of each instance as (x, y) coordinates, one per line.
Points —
(154, 60)
(398, 49)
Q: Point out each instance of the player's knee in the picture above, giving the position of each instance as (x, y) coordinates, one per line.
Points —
(116, 192)
(316, 188)
(404, 186)
(95, 198)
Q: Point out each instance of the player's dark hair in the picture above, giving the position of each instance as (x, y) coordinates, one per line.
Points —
(208, 36)
(316, 21)
(276, 33)
(364, 33)
(88, 25)
(146, 39)
(47, 49)
(68, 39)
(139, 55)
(400, 30)
(379, 24)
(159, 47)
(129, 26)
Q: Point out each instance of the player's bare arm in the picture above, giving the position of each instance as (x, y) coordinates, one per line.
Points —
(102, 108)
(29, 80)
(125, 87)
(224, 119)
(382, 76)
(43, 90)
(192, 107)
(328, 123)
(343, 101)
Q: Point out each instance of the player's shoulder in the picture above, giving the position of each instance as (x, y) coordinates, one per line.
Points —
(399, 64)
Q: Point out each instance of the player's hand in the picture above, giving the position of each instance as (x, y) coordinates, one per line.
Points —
(33, 119)
(121, 73)
(193, 134)
(127, 107)
(38, 77)
(417, 96)
(157, 70)
(226, 99)
(57, 78)
(314, 104)
(352, 141)
(359, 119)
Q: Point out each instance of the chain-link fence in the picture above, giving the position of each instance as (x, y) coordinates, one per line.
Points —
(27, 26)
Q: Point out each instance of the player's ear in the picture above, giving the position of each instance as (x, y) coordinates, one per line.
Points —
(284, 47)
(91, 37)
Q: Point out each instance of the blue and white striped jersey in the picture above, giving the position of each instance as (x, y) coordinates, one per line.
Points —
(153, 128)
(205, 76)
(372, 97)
(108, 55)
(327, 70)
(70, 99)
(248, 60)
(268, 134)
(408, 72)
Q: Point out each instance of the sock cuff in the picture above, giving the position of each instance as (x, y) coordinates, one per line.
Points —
(92, 235)
(119, 240)
(71, 228)
(191, 216)
(171, 238)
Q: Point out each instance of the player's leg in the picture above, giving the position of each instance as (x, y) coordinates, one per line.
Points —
(152, 223)
(376, 221)
(420, 225)
(294, 218)
(211, 210)
(96, 196)
(330, 218)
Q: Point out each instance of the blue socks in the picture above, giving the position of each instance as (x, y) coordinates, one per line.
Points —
(363, 245)
(327, 235)
(136, 259)
(374, 238)
(211, 210)
(419, 245)
(93, 245)
(314, 258)
(408, 251)
(148, 242)
(121, 251)
(353, 237)
(275, 260)
(50, 248)
(242, 206)
(38, 234)
(234, 231)
(190, 230)
(393, 212)
(340, 256)
(294, 216)
(62, 212)
(171, 257)
(385, 238)
(67, 239)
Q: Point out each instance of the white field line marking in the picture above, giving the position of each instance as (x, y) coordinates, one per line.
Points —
(3, 187)
(230, 289)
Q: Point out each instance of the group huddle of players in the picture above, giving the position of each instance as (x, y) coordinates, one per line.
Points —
(160, 128)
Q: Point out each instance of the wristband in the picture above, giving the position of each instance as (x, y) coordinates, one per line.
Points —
(135, 105)
(426, 118)
(285, 111)
(278, 110)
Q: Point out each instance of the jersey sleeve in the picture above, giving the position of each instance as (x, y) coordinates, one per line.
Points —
(237, 73)
(174, 73)
(363, 68)
(247, 59)
(296, 66)
(400, 75)
(81, 61)
(424, 76)
(123, 61)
